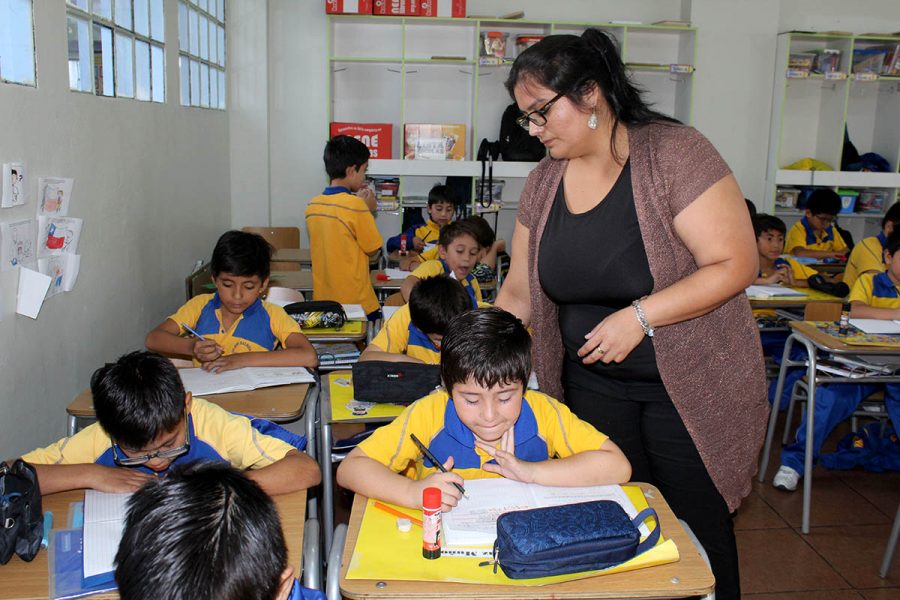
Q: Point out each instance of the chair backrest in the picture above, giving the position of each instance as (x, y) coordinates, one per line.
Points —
(822, 311)
(395, 299)
(281, 295)
(198, 282)
(279, 237)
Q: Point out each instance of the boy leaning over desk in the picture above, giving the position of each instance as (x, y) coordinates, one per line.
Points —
(484, 424)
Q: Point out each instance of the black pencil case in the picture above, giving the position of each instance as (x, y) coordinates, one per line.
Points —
(571, 538)
(317, 313)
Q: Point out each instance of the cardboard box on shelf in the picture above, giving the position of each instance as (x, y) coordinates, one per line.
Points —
(403, 8)
(434, 141)
(348, 7)
(376, 136)
(442, 8)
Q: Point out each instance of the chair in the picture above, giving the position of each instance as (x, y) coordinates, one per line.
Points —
(822, 311)
(199, 282)
(279, 237)
(395, 299)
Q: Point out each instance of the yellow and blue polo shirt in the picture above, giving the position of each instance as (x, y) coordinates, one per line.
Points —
(400, 336)
(430, 268)
(868, 255)
(798, 269)
(801, 235)
(875, 289)
(215, 435)
(342, 234)
(429, 232)
(545, 429)
(431, 254)
(262, 327)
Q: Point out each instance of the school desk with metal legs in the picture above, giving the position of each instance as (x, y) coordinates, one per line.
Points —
(813, 339)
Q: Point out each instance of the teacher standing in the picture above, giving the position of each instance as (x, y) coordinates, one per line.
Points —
(631, 251)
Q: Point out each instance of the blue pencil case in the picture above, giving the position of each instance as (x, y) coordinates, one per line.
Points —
(571, 538)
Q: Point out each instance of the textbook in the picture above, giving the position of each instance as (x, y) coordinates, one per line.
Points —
(202, 383)
(876, 325)
(471, 527)
(768, 291)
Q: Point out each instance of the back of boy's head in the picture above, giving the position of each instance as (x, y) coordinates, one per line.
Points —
(204, 532)
(138, 397)
(484, 235)
(451, 231)
(343, 152)
(435, 301)
(893, 242)
(488, 345)
(441, 194)
(763, 223)
(892, 216)
(242, 254)
(824, 201)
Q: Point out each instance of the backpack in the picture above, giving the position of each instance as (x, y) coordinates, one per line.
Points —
(515, 143)
(21, 518)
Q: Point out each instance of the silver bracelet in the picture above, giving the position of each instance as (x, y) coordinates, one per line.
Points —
(642, 318)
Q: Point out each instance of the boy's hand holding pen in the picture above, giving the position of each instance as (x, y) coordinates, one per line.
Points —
(450, 484)
(204, 350)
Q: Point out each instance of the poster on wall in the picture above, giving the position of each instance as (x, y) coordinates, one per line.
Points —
(63, 271)
(58, 235)
(54, 196)
(15, 185)
(18, 244)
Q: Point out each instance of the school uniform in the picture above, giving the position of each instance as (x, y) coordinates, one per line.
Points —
(801, 235)
(400, 336)
(432, 268)
(342, 234)
(214, 433)
(798, 270)
(428, 233)
(837, 401)
(868, 255)
(545, 429)
(262, 327)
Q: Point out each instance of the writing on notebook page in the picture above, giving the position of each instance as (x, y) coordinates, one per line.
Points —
(104, 521)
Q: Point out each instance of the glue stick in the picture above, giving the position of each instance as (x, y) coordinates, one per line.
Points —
(431, 523)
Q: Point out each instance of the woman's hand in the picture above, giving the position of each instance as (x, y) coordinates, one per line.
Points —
(613, 338)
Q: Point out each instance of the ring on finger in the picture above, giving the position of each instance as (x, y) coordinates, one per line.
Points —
(599, 350)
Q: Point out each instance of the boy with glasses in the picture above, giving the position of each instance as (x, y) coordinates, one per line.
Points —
(815, 235)
(147, 423)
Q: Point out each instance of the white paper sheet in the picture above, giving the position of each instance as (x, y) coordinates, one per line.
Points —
(54, 196)
(19, 243)
(63, 271)
(58, 235)
(203, 383)
(766, 291)
(104, 520)
(354, 312)
(32, 291)
(876, 325)
(396, 273)
(388, 311)
(15, 185)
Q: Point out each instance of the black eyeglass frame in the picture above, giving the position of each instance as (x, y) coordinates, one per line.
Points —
(525, 119)
(170, 454)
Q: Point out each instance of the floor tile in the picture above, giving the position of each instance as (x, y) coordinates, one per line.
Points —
(881, 594)
(824, 595)
(779, 560)
(755, 513)
(881, 489)
(855, 552)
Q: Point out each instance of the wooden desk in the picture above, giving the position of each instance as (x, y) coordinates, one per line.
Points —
(689, 576)
(810, 296)
(24, 580)
(280, 404)
(299, 280)
(300, 256)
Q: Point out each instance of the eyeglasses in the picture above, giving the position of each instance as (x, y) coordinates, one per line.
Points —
(825, 219)
(539, 116)
(170, 454)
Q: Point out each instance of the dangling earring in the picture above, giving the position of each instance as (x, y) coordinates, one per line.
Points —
(592, 120)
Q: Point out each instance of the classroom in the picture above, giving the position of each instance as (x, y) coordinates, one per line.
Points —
(159, 155)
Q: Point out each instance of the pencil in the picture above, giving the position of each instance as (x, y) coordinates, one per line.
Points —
(396, 513)
(185, 325)
(434, 460)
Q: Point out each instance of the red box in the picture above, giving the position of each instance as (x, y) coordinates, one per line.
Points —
(376, 136)
(404, 8)
(442, 8)
(348, 7)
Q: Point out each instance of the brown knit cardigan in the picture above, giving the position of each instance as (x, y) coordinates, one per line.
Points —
(712, 365)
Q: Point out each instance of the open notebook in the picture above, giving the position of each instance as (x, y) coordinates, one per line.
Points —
(203, 383)
(767, 291)
(882, 326)
(471, 528)
(104, 521)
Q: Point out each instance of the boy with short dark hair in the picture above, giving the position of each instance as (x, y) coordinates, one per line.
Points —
(441, 207)
(773, 267)
(205, 532)
(146, 423)
(415, 331)
(868, 255)
(815, 235)
(341, 227)
(458, 249)
(237, 328)
(485, 424)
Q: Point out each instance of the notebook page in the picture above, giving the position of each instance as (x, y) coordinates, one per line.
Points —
(104, 520)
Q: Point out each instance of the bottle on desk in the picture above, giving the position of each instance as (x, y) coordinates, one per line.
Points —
(431, 523)
(844, 323)
(403, 244)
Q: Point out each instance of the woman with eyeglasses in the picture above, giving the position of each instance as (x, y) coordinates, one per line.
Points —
(631, 252)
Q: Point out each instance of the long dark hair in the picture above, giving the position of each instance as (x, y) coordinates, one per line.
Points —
(574, 65)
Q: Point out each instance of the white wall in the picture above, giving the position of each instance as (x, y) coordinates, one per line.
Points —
(151, 182)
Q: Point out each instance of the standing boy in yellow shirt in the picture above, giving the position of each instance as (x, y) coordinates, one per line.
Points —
(341, 227)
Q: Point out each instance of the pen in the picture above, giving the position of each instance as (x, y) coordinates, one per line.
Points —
(194, 332)
(48, 525)
(436, 462)
(396, 513)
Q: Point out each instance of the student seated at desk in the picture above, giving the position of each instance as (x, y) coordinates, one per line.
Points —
(441, 207)
(868, 255)
(458, 249)
(146, 424)
(486, 267)
(415, 331)
(341, 227)
(484, 424)
(237, 328)
(874, 296)
(205, 532)
(815, 235)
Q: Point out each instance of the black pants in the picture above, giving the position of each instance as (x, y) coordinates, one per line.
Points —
(641, 419)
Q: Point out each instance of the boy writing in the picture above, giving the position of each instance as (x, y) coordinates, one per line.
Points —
(342, 231)
(874, 296)
(415, 331)
(458, 249)
(146, 423)
(193, 513)
(868, 255)
(815, 234)
(441, 207)
(485, 424)
(236, 328)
